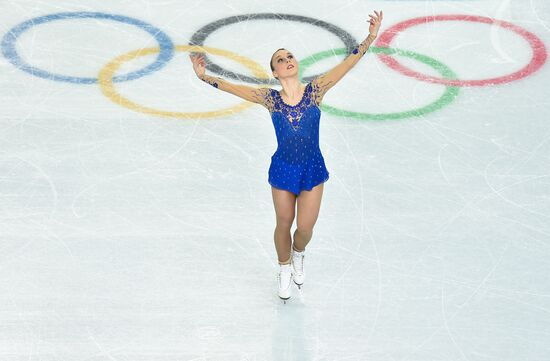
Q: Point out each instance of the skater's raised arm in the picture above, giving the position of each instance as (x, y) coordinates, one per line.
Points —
(326, 81)
(255, 95)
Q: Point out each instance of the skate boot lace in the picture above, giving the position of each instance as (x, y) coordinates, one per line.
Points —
(284, 279)
(298, 263)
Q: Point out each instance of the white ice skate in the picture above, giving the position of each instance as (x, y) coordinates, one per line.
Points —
(298, 271)
(285, 281)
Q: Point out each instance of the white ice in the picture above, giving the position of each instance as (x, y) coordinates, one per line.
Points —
(129, 236)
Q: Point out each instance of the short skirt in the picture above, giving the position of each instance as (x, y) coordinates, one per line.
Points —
(297, 177)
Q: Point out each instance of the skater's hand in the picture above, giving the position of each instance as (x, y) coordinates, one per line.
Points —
(199, 64)
(375, 22)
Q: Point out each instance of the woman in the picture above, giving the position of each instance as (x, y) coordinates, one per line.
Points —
(297, 172)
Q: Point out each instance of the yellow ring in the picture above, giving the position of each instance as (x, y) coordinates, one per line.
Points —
(105, 81)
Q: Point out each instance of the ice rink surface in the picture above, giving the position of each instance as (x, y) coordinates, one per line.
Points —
(131, 231)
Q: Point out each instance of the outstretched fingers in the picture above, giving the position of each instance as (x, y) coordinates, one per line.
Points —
(376, 19)
(197, 59)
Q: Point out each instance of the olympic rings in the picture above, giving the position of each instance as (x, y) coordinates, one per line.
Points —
(448, 96)
(200, 36)
(537, 60)
(10, 52)
(166, 49)
(107, 87)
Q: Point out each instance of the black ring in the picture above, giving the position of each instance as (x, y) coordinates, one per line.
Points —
(200, 36)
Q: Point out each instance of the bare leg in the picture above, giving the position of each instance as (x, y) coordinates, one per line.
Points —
(309, 203)
(285, 204)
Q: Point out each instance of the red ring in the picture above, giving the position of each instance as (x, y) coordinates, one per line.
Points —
(538, 59)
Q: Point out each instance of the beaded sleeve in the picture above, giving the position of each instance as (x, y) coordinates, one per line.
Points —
(324, 82)
(256, 95)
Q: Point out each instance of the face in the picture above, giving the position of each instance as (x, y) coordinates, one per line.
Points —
(284, 64)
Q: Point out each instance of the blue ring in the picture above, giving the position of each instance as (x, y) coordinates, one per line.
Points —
(10, 39)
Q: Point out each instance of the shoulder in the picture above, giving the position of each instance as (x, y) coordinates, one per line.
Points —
(267, 91)
(317, 90)
(268, 96)
(314, 85)
(263, 94)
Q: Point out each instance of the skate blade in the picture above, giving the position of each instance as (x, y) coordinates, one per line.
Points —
(284, 299)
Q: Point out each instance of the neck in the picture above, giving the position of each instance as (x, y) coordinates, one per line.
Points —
(292, 87)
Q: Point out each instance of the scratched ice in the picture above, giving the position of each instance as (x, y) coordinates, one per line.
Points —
(125, 235)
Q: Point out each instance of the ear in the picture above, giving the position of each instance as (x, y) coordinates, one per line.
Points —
(275, 74)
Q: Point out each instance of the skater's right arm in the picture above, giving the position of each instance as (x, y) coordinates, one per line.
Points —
(255, 95)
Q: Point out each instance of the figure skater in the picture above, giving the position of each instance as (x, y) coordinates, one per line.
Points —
(297, 172)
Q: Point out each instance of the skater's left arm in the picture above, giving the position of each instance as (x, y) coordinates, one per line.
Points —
(326, 81)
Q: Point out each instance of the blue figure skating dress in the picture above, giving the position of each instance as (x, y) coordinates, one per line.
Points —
(297, 164)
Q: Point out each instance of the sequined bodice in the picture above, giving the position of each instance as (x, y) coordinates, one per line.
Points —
(293, 112)
(296, 126)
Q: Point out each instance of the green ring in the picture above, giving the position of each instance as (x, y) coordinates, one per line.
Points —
(448, 96)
